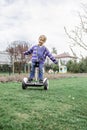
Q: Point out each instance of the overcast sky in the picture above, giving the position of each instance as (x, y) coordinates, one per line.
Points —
(27, 19)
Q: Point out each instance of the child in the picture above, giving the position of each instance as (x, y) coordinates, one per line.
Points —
(39, 53)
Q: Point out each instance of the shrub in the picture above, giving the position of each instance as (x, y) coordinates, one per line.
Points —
(77, 67)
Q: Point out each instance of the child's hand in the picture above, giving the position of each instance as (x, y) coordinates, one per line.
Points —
(24, 53)
(56, 62)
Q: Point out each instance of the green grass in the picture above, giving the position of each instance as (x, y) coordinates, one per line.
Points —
(62, 107)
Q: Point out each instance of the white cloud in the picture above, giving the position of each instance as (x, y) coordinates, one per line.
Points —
(27, 19)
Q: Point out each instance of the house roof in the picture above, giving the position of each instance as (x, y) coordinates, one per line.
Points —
(65, 55)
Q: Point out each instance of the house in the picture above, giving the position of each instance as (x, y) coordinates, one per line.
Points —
(65, 57)
(5, 58)
(62, 58)
(62, 69)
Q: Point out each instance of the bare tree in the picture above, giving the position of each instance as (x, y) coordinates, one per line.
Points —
(16, 49)
(78, 35)
(54, 50)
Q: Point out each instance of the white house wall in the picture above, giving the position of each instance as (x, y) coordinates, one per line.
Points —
(4, 58)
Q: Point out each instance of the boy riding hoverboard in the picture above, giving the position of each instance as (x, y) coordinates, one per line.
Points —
(39, 53)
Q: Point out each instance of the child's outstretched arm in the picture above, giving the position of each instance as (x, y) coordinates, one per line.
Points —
(51, 57)
(29, 51)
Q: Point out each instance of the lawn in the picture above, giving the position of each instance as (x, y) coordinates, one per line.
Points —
(62, 107)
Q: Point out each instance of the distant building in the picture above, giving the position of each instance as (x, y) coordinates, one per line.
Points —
(62, 61)
(5, 58)
(65, 57)
(62, 69)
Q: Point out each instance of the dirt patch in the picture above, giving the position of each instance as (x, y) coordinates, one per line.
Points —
(19, 77)
(65, 75)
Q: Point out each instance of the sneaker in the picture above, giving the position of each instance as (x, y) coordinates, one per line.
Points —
(40, 81)
(29, 80)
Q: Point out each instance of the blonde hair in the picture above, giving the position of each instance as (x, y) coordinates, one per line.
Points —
(43, 36)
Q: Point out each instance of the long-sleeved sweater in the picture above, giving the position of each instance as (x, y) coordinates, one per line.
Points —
(39, 54)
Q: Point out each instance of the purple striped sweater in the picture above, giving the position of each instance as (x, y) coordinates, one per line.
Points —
(39, 53)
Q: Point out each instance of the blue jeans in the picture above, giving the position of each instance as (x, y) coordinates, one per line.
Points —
(40, 73)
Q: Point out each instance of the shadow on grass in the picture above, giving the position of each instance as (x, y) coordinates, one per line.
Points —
(34, 88)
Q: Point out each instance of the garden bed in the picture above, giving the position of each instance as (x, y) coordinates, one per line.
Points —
(19, 77)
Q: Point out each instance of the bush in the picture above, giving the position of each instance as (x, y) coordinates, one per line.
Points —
(53, 67)
(5, 68)
(47, 67)
(77, 67)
